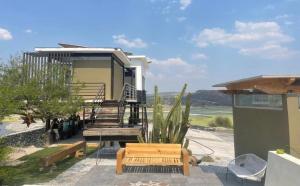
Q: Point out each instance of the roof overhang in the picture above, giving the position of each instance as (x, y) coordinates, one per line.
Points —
(117, 51)
(140, 58)
(263, 84)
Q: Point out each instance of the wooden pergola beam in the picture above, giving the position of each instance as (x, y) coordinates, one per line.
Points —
(268, 86)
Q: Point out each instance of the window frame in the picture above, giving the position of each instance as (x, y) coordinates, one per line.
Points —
(259, 107)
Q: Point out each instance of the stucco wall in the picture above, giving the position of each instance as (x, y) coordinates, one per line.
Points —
(118, 80)
(260, 130)
(294, 124)
(93, 71)
(282, 170)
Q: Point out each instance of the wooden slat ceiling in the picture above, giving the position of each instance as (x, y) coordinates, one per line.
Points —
(264, 84)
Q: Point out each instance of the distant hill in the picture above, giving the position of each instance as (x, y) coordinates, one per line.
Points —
(198, 98)
(210, 97)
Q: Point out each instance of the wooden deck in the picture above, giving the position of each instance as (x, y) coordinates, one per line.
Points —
(112, 134)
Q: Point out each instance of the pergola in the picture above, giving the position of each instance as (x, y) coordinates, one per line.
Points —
(263, 84)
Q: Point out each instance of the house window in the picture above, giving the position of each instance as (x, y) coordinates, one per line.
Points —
(258, 100)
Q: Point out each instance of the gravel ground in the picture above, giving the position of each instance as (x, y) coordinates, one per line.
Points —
(17, 126)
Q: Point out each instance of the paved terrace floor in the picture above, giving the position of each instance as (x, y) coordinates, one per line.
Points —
(86, 172)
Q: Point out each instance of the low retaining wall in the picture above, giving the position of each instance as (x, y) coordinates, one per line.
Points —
(27, 138)
(282, 169)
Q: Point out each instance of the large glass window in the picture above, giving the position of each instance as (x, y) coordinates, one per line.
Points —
(258, 100)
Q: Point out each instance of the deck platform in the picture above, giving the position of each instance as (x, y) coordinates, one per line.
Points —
(112, 134)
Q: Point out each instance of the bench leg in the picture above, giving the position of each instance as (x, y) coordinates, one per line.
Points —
(186, 168)
(73, 154)
(119, 168)
(120, 156)
(84, 149)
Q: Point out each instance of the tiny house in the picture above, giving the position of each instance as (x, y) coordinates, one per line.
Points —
(266, 114)
(109, 68)
(112, 80)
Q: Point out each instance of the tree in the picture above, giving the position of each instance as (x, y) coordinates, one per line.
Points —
(44, 94)
(9, 81)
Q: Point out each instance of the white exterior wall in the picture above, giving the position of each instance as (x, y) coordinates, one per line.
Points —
(282, 169)
(140, 71)
(138, 78)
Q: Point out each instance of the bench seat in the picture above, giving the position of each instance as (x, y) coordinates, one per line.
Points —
(153, 161)
(143, 154)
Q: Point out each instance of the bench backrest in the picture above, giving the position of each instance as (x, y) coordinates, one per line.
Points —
(152, 150)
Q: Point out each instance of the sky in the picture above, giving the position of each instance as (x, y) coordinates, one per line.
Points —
(199, 42)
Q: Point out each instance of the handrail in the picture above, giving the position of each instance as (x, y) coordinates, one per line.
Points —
(128, 92)
(98, 100)
(90, 89)
(145, 122)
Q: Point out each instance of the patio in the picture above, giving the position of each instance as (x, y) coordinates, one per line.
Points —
(86, 172)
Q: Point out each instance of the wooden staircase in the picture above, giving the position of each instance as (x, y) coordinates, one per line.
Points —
(107, 119)
(108, 115)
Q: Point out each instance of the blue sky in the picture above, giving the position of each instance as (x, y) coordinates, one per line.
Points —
(201, 42)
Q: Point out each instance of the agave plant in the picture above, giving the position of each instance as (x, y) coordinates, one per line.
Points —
(173, 128)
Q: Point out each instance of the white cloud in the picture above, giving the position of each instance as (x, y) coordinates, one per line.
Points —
(5, 34)
(124, 41)
(29, 31)
(288, 22)
(248, 36)
(172, 73)
(268, 51)
(283, 16)
(175, 68)
(199, 56)
(181, 19)
(184, 4)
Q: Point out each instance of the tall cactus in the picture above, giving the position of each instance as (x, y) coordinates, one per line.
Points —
(173, 128)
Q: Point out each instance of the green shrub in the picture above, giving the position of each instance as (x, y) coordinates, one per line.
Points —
(4, 151)
(221, 121)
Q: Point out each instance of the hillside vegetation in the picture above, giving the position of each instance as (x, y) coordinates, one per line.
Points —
(198, 98)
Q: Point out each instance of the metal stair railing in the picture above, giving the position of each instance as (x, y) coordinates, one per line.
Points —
(128, 93)
(97, 101)
(145, 123)
(100, 97)
(88, 90)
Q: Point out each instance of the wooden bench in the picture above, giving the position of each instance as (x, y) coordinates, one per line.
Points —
(144, 154)
(69, 150)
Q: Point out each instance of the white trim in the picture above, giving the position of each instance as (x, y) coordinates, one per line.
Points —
(75, 49)
(263, 108)
(89, 58)
(118, 52)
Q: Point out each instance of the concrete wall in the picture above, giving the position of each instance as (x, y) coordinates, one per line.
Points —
(282, 169)
(118, 80)
(93, 71)
(258, 130)
(294, 124)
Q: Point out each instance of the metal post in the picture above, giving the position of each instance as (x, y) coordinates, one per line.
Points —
(83, 117)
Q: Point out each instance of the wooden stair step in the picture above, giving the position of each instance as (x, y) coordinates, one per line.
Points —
(106, 120)
(107, 116)
(103, 125)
